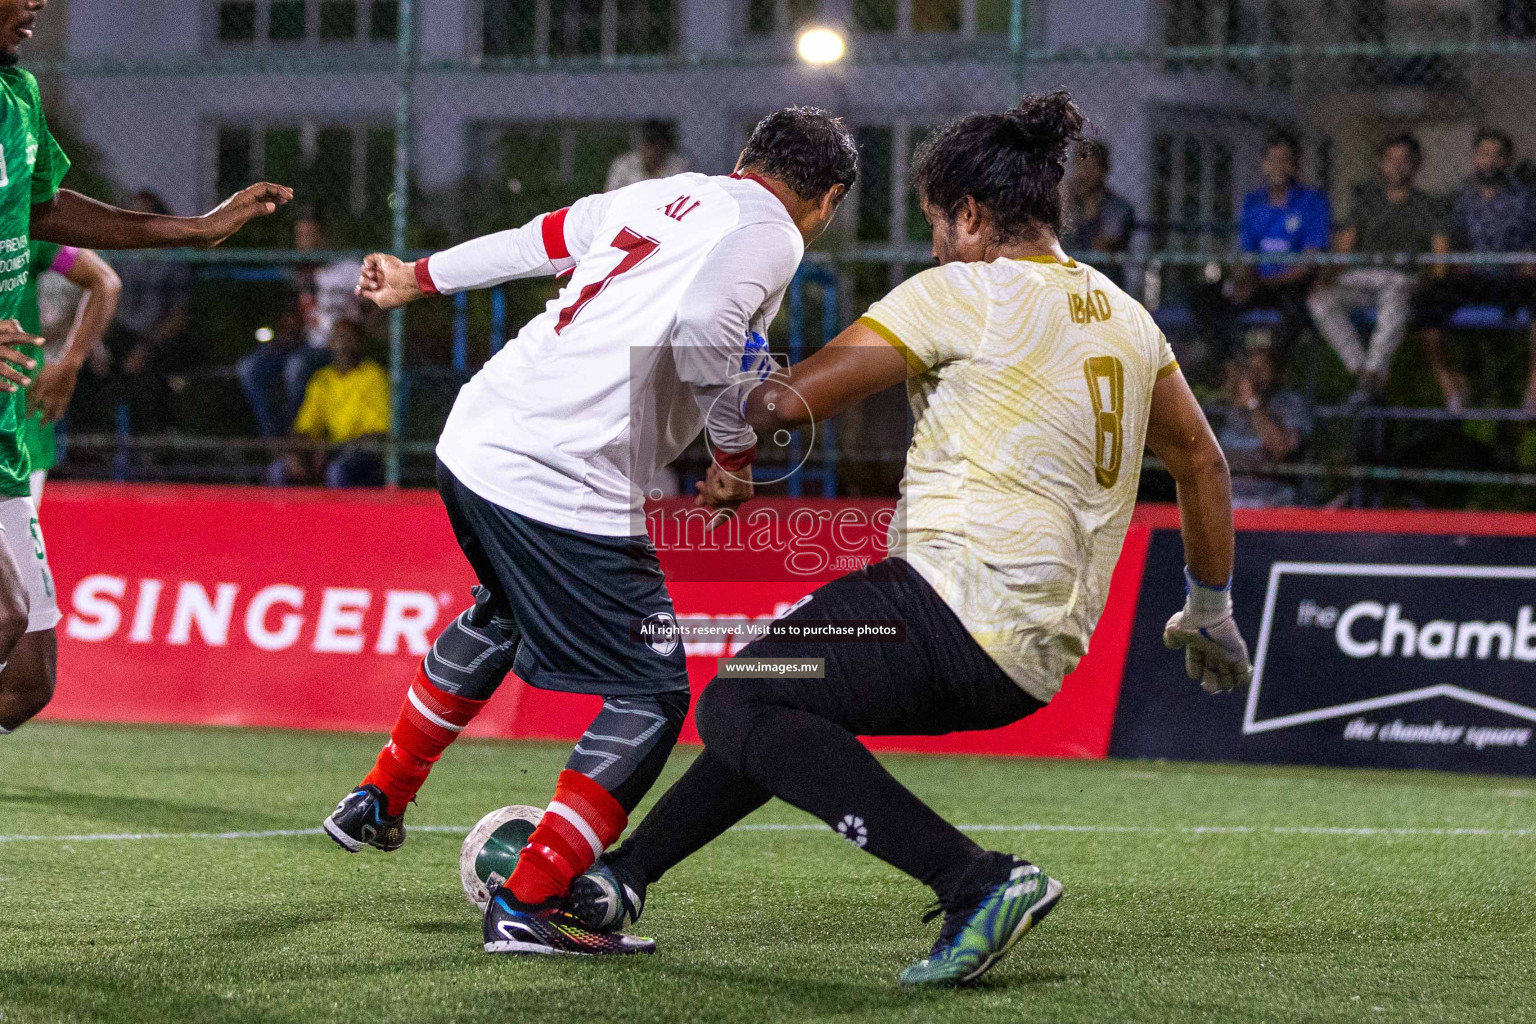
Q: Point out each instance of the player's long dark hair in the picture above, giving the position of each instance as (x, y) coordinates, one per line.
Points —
(1011, 163)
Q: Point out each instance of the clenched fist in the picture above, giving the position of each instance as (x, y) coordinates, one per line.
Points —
(387, 281)
(1215, 655)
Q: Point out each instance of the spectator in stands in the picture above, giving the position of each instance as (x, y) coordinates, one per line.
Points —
(1259, 427)
(1491, 213)
(655, 157)
(1386, 216)
(1281, 217)
(345, 403)
(322, 296)
(1098, 219)
(153, 323)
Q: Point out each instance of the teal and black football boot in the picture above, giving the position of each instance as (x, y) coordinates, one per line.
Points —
(978, 932)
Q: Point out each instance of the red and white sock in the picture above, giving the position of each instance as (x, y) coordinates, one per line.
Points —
(580, 823)
(430, 719)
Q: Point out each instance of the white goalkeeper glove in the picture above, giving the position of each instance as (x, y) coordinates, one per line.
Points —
(1215, 655)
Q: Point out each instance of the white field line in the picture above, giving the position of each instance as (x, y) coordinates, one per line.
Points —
(1189, 830)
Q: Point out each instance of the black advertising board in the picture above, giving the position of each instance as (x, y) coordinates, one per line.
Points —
(1385, 650)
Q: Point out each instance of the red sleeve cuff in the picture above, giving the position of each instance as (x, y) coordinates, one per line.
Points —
(732, 461)
(553, 230)
(424, 277)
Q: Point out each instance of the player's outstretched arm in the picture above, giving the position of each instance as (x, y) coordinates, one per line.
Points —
(55, 385)
(551, 243)
(70, 218)
(848, 369)
(1215, 655)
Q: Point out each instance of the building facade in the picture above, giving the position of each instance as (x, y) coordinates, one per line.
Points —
(518, 103)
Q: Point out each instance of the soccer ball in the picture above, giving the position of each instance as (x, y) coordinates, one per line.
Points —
(491, 849)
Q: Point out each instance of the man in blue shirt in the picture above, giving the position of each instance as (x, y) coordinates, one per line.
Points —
(1282, 217)
(1491, 212)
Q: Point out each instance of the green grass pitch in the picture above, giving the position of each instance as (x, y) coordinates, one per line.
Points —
(1193, 893)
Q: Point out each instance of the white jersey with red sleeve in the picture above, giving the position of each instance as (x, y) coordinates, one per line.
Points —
(673, 283)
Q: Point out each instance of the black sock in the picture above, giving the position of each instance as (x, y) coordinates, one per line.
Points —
(822, 768)
(701, 805)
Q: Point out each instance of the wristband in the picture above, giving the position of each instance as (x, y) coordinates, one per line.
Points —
(733, 461)
(1205, 602)
(424, 277)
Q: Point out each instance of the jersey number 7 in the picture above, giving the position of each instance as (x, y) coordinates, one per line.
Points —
(636, 248)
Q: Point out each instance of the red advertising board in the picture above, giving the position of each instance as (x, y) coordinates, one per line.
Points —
(310, 609)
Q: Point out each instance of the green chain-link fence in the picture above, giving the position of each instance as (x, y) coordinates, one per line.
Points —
(411, 126)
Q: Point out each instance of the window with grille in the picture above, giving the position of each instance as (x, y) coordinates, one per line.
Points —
(237, 22)
(931, 17)
(344, 171)
(1194, 201)
(286, 22)
(526, 168)
(766, 17)
(887, 208)
(1515, 19)
(578, 28)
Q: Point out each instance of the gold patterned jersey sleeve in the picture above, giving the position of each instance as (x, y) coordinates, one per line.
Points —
(933, 318)
(1167, 362)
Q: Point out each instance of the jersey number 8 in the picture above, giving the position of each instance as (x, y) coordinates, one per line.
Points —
(1106, 386)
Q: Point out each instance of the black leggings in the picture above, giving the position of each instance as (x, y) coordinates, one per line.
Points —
(797, 738)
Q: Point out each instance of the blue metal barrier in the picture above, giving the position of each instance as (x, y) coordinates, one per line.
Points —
(461, 326)
(498, 319)
(461, 331)
(822, 471)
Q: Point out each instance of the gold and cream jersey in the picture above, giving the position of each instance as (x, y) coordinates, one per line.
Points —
(1031, 390)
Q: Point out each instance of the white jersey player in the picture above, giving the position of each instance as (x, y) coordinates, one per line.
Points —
(662, 323)
(673, 284)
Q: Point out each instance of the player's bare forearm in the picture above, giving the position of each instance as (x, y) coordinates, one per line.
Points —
(1205, 518)
(54, 387)
(70, 218)
(1179, 435)
(848, 369)
(103, 288)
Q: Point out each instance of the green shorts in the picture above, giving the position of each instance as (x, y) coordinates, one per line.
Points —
(39, 441)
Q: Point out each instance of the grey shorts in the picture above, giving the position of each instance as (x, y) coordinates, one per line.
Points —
(579, 599)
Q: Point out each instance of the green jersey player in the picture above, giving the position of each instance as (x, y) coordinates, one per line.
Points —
(32, 205)
(54, 385)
